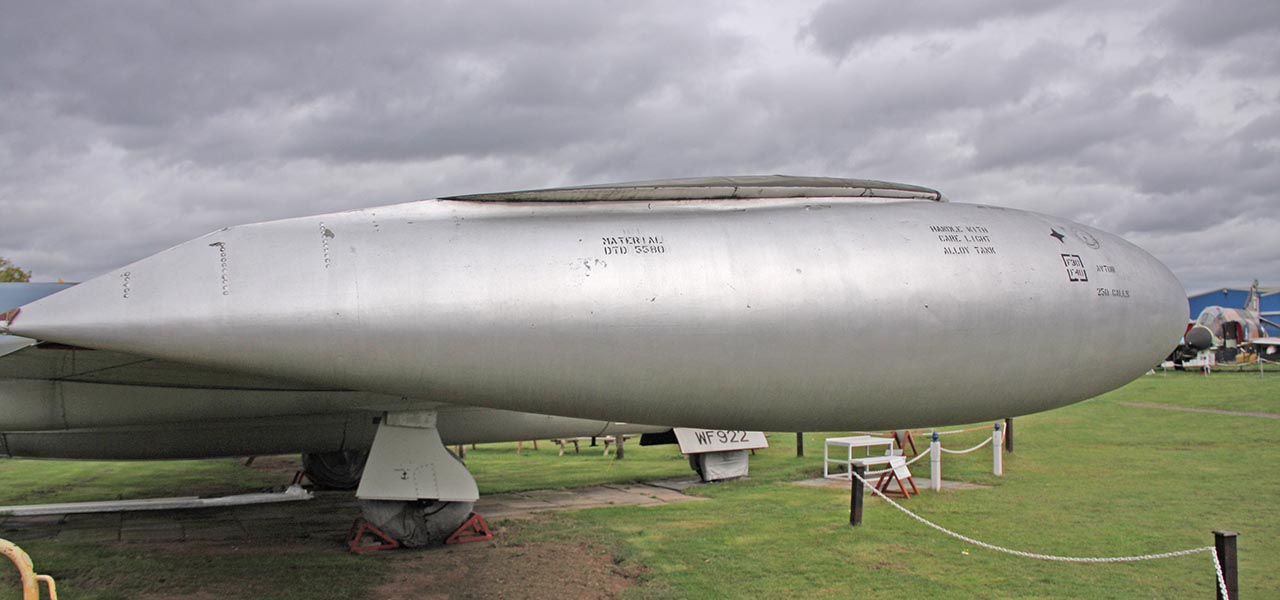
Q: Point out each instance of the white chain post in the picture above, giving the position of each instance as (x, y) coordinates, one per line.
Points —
(935, 463)
(997, 452)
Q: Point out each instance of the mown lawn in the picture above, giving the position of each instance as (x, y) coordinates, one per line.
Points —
(1099, 478)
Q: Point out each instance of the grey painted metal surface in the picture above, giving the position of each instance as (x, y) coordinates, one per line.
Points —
(59, 402)
(235, 434)
(408, 462)
(293, 493)
(771, 313)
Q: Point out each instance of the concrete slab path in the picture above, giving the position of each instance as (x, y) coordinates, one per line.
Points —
(328, 515)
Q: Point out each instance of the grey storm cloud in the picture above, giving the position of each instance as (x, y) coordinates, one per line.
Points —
(1213, 23)
(127, 127)
(839, 26)
(343, 82)
(1049, 128)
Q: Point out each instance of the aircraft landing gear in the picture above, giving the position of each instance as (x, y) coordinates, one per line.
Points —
(338, 470)
(418, 523)
(413, 488)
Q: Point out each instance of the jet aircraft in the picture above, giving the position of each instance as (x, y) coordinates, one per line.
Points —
(771, 303)
(1218, 327)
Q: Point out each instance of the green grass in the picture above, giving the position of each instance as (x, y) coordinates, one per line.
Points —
(128, 571)
(119, 571)
(41, 481)
(498, 468)
(1097, 478)
(1232, 391)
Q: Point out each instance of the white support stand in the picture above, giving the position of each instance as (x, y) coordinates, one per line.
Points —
(409, 462)
(997, 451)
(849, 443)
(935, 463)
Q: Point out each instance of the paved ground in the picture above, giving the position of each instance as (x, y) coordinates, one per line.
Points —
(524, 504)
(328, 515)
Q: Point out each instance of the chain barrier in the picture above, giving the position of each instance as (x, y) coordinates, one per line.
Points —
(927, 450)
(978, 428)
(1050, 557)
(919, 456)
(1222, 580)
(908, 463)
(984, 443)
(930, 431)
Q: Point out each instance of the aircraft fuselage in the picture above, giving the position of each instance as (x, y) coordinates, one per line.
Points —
(781, 314)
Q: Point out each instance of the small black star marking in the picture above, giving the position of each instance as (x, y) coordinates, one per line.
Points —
(1057, 235)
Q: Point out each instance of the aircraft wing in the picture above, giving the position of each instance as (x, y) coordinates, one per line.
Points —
(58, 401)
(12, 343)
(22, 358)
(25, 358)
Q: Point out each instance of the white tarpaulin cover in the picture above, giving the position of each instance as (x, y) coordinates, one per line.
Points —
(723, 465)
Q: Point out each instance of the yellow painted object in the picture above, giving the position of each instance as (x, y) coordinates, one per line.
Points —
(30, 580)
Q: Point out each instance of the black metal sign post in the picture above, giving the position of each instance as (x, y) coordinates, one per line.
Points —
(799, 444)
(1225, 543)
(855, 499)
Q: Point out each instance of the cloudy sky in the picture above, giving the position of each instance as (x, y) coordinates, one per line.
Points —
(127, 127)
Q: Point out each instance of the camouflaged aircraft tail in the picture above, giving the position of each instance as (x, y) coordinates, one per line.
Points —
(1254, 303)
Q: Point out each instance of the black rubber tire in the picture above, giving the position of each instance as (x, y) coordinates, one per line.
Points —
(419, 523)
(339, 470)
(695, 463)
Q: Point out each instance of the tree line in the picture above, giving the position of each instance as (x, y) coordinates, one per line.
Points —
(10, 272)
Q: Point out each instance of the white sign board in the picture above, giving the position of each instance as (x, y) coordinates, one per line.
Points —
(698, 441)
(900, 470)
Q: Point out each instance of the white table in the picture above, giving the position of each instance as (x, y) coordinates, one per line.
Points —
(849, 443)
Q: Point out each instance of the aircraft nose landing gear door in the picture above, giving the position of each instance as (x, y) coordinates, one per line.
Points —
(413, 488)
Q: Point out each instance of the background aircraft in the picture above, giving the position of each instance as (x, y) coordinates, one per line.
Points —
(757, 303)
(1221, 327)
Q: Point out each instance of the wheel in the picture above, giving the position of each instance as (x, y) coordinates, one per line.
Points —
(338, 470)
(695, 463)
(417, 523)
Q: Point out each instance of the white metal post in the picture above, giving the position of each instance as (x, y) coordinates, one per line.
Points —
(826, 460)
(997, 452)
(935, 463)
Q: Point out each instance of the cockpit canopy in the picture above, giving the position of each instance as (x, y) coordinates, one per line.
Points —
(720, 188)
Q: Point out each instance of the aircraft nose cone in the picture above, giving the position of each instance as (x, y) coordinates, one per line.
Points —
(1199, 337)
